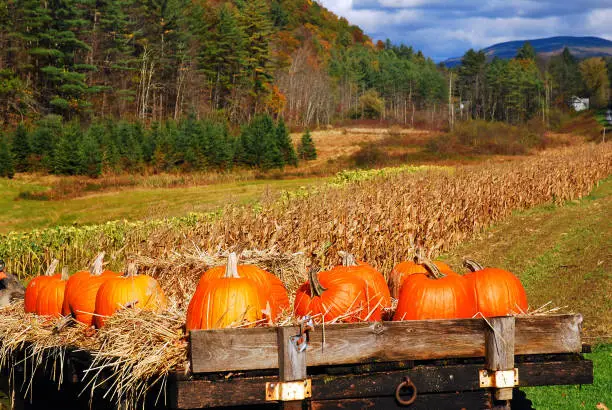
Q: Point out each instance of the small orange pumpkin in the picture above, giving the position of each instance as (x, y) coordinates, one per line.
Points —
(227, 301)
(36, 284)
(270, 284)
(439, 297)
(128, 290)
(377, 289)
(81, 291)
(497, 292)
(404, 269)
(335, 295)
(51, 295)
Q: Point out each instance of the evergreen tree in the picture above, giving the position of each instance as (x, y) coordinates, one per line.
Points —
(65, 157)
(283, 142)
(259, 144)
(90, 156)
(6, 159)
(21, 148)
(306, 148)
(526, 52)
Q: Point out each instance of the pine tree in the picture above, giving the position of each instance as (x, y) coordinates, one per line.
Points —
(283, 142)
(526, 52)
(90, 156)
(306, 148)
(6, 159)
(259, 144)
(65, 157)
(21, 148)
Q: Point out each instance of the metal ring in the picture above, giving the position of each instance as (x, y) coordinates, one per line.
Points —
(407, 383)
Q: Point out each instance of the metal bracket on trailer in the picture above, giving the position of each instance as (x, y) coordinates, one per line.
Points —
(289, 391)
(498, 379)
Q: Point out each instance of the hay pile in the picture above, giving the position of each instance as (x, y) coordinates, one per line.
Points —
(136, 350)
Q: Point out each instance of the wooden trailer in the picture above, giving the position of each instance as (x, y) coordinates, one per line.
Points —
(433, 364)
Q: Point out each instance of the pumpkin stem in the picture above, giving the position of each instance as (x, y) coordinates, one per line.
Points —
(316, 289)
(96, 267)
(348, 259)
(51, 269)
(431, 267)
(231, 269)
(472, 265)
(131, 271)
(65, 274)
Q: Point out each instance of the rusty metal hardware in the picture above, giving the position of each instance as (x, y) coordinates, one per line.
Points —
(289, 391)
(406, 384)
(499, 379)
(301, 341)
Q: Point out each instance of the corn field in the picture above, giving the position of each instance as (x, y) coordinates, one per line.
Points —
(378, 216)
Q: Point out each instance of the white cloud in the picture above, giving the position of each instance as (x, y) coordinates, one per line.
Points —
(447, 28)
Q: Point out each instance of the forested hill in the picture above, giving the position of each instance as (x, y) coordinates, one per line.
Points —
(580, 47)
(154, 60)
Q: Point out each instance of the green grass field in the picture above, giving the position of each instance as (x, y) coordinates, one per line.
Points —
(130, 204)
(563, 256)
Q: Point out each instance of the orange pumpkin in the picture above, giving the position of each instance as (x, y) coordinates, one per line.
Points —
(128, 290)
(81, 291)
(273, 286)
(227, 301)
(497, 292)
(377, 289)
(36, 284)
(333, 295)
(404, 269)
(437, 297)
(51, 295)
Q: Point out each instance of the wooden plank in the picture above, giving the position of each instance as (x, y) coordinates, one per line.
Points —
(251, 349)
(188, 394)
(292, 363)
(499, 354)
(462, 400)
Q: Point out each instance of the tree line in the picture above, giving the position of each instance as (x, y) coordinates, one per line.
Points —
(113, 147)
(527, 86)
(153, 60)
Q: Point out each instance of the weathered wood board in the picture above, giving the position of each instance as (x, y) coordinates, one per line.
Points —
(328, 389)
(226, 350)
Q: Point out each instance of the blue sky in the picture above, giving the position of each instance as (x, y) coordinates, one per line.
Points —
(443, 28)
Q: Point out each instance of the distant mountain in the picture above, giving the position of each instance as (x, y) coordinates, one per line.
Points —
(581, 47)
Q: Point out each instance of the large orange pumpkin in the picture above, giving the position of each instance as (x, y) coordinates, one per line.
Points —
(377, 289)
(81, 291)
(51, 295)
(404, 269)
(128, 290)
(230, 300)
(36, 284)
(437, 297)
(497, 292)
(332, 295)
(273, 286)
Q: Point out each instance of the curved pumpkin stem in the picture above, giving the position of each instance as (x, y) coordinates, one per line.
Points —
(316, 289)
(472, 265)
(431, 267)
(131, 271)
(231, 269)
(96, 267)
(51, 269)
(348, 259)
(65, 274)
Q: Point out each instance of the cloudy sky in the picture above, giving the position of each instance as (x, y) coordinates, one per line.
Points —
(448, 28)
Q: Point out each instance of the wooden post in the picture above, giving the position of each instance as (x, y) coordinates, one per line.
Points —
(291, 362)
(499, 354)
